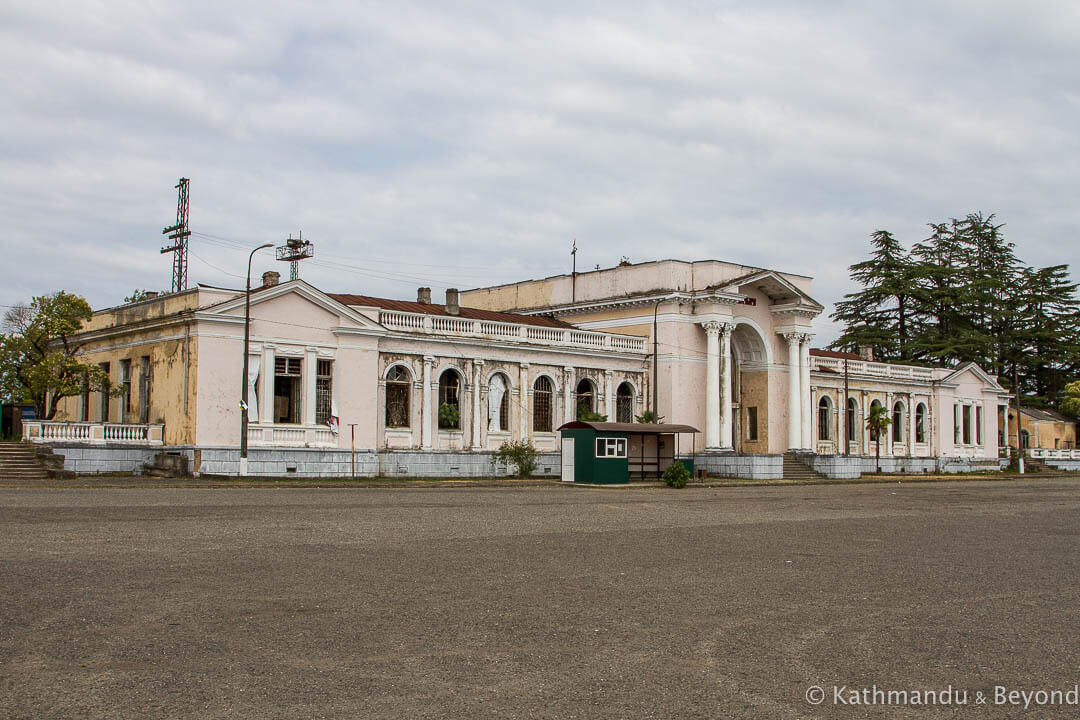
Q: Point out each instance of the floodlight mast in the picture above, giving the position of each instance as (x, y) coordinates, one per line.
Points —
(293, 251)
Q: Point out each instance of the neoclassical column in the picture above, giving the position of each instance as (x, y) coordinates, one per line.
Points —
(911, 424)
(712, 385)
(478, 369)
(525, 404)
(311, 365)
(806, 405)
(725, 385)
(609, 395)
(266, 402)
(1005, 420)
(568, 394)
(794, 383)
(426, 426)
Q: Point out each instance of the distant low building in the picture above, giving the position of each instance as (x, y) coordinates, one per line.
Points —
(1042, 428)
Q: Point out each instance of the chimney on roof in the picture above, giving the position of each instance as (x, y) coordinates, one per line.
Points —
(271, 278)
(452, 306)
(866, 352)
(423, 295)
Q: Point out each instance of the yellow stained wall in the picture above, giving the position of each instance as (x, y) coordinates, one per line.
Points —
(1045, 434)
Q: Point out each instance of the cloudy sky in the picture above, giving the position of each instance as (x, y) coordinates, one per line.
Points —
(465, 144)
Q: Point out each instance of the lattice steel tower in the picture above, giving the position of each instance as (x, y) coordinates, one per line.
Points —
(179, 234)
(293, 251)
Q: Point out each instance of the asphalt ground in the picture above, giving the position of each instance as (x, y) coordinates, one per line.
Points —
(545, 602)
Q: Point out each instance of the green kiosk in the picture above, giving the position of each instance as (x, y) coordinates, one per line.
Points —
(604, 453)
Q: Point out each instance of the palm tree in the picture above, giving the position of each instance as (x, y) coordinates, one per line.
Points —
(877, 422)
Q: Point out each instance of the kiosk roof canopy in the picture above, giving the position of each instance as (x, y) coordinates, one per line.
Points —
(635, 428)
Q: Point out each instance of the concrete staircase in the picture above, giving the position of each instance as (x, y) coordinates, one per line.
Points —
(19, 462)
(795, 469)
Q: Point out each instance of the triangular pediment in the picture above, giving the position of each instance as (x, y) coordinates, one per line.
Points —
(972, 369)
(350, 320)
(774, 286)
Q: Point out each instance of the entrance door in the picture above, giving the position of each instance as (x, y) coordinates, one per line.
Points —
(568, 459)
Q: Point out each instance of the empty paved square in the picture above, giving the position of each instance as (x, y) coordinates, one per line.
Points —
(535, 602)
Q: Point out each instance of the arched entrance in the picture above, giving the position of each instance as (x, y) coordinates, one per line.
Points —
(750, 388)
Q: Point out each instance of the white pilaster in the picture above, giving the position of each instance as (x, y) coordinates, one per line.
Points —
(806, 406)
(911, 424)
(311, 369)
(609, 395)
(712, 385)
(794, 392)
(525, 404)
(568, 394)
(426, 425)
(725, 385)
(266, 402)
(477, 419)
(1005, 420)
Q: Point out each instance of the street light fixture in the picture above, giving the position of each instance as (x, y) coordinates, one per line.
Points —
(244, 376)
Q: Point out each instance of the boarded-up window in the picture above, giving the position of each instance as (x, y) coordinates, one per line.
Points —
(287, 389)
(542, 405)
(978, 425)
(324, 391)
(751, 424)
(624, 404)
(397, 397)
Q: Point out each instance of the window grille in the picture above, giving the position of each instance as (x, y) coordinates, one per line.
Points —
(585, 397)
(323, 391)
(624, 404)
(287, 367)
(449, 389)
(398, 384)
(898, 422)
(823, 419)
(542, 405)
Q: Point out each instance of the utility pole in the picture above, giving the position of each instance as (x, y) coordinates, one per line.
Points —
(352, 437)
(179, 234)
(573, 273)
(847, 420)
(244, 370)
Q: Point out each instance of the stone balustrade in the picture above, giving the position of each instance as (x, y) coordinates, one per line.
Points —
(46, 431)
(873, 369)
(422, 323)
(313, 436)
(1053, 454)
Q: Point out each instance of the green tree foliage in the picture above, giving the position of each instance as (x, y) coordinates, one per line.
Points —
(963, 295)
(881, 314)
(1070, 402)
(676, 475)
(449, 416)
(521, 454)
(877, 422)
(589, 416)
(38, 357)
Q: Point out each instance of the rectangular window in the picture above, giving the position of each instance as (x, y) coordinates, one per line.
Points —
(956, 424)
(323, 391)
(978, 425)
(103, 406)
(125, 384)
(751, 424)
(610, 447)
(967, 424)
(144, 389)
(287, 389)
(84, 411)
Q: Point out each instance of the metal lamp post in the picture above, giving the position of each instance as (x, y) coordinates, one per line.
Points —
(244, 376)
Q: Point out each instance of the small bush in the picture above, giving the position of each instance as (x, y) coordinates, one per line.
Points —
(650, 417)
(591, 417)
(676, 475)
(449, 416)
(521, 454)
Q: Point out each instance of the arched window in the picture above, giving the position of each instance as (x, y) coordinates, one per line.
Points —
(898, 421)
(498, 403)
(542, 405)
(874, 433)
(586, 397)
(824, 418)
(852, 419)
(920, 423)
(449, 404)
(398, 383)
(624, 403)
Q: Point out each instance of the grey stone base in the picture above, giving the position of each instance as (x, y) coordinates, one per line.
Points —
(300, 462)
(746, 465)
(854, 466)
(1062, 464)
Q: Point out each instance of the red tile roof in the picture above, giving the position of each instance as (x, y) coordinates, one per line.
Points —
(433, 309)
(834, 354)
